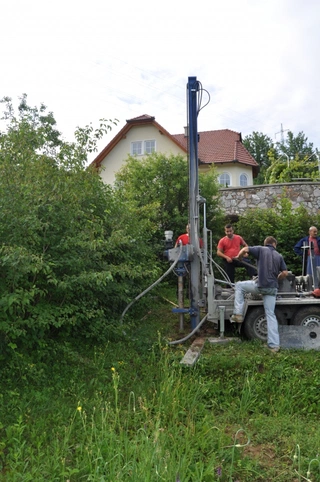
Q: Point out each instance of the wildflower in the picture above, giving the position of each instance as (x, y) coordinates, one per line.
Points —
(219, 471)
(79, 408)
(113, 369)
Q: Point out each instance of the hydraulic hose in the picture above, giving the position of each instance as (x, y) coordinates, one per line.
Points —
(151, 286)
(177, 342)
(222, 272)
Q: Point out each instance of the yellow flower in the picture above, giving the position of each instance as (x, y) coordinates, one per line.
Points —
(113, 369)
(79, 408)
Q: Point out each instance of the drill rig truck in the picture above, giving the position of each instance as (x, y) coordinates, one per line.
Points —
(211, 297)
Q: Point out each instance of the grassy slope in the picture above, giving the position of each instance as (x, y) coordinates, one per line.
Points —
(130, 411)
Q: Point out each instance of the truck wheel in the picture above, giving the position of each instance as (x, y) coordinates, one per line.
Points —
(255, 325)
(307, 316)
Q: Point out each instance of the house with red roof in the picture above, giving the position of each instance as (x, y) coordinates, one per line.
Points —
(143, 135)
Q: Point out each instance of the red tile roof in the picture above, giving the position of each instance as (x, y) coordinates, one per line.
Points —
(220, 146)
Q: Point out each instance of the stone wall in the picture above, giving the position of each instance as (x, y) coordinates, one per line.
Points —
(235, 201)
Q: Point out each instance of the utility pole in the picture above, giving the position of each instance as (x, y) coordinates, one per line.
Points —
(281, 132)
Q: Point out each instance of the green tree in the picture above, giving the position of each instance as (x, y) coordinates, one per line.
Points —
(295, 146)
(158, 187)
(72, 252)
(259, 146)
(293, 160)
(286, 224)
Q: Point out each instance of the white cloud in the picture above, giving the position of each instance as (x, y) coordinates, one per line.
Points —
(258, 60)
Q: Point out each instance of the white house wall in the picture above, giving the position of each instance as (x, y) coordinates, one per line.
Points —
(234, 170)
(119, 154)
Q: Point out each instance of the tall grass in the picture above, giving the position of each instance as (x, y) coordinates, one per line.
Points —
(131, 412)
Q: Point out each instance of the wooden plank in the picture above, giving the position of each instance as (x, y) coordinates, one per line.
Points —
(222, 340)
(193, 353)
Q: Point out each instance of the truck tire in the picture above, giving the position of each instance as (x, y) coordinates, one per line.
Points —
(255, 324)
(307, 316)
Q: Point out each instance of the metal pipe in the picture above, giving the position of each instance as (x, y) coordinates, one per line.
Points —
(221, 313)
(193, 88)
(304, 257)
(180, 302)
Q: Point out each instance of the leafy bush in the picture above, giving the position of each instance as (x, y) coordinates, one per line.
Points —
(71, 251)
(286, 224)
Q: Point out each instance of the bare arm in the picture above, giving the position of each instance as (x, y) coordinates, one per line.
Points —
(243, 252)
(222, 255)
(283, 274)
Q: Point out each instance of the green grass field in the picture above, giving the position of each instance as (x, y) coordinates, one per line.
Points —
(130, 411)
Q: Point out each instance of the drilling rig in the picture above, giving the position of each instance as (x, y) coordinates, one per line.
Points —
(211, 299)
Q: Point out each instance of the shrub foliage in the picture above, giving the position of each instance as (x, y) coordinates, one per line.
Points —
(71, 251)
(286, 224)
(74, 251)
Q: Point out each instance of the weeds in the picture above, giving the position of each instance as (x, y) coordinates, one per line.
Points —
(312, 462)
(119, 414)
(235, 445)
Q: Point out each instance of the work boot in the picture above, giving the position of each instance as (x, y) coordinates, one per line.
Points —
(276, 349)
(236, 318)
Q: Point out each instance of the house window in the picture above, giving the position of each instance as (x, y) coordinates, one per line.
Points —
(136, 148)
(139, 148)
(224, 179)
(149, 146)
(243, 180)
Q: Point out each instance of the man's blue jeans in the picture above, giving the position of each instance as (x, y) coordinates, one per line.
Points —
(269, 303)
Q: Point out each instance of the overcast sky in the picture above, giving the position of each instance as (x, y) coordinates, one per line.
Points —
(258, 59)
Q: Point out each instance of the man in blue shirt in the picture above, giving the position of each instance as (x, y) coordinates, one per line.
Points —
(271, 268)
(306, 241)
